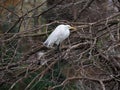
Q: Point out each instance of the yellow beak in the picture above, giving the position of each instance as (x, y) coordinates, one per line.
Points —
(72, 28)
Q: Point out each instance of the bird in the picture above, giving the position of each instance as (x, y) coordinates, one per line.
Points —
(60, 33)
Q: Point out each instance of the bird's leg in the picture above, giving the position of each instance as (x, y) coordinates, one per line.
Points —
(69, 42)
(59, 54)
(59, 51)
(59, 48)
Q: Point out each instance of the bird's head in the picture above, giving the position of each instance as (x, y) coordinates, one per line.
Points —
(70, 27)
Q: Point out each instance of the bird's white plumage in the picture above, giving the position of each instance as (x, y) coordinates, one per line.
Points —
(60, 33)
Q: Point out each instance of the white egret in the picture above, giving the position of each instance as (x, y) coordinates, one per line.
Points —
(60, 33)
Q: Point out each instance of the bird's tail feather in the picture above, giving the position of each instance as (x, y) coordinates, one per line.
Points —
(45, 43)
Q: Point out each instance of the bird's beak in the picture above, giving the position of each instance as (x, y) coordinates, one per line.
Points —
(72, 28)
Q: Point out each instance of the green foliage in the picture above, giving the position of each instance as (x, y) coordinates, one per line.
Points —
(4, 87)
(11, 7)
(51, 78)
(9, 52)
(42, 85)
(99, 43)
(6, 26)
(70, 86)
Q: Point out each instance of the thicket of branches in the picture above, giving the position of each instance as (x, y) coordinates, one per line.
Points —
(89, 58)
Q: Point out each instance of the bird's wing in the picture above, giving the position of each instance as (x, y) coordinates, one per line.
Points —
(52, 38)
(56, 33)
